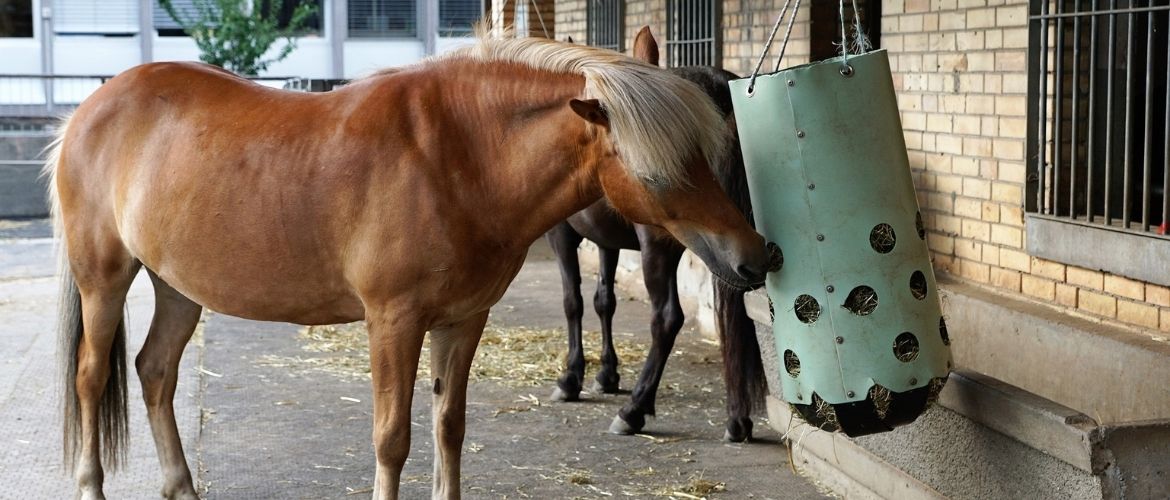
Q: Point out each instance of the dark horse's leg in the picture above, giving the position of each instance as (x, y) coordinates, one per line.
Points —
(605, 302)
(743, 369)
(660, 257)
(564, 241)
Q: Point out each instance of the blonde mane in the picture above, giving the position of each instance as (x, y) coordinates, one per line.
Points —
(657, 120)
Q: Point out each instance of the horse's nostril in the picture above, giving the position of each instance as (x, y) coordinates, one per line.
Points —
(775, 257)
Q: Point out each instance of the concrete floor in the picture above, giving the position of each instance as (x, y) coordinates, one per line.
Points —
(258, 431)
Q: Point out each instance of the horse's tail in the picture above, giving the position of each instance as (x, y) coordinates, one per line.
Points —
(743, 366)
(112, 413)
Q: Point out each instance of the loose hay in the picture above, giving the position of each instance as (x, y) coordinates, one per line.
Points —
(861, 300)
(513, 356)
(881, 399)
(807, 309)
(882, 238)
(827, 413)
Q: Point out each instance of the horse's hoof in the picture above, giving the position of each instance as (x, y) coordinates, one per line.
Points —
(559, 394)
(621, 427)
(602, 388)
(738, 432)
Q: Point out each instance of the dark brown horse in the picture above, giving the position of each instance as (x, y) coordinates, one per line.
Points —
(411, 204)
(743, 370)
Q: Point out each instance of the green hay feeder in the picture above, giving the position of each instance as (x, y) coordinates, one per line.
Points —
(856, 311)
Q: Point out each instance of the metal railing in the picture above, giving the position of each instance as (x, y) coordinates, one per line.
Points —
(47, 96)
(1099, 113)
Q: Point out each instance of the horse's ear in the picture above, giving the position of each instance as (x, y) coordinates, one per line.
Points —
(645, 47)
(568, 39)
(590, 110)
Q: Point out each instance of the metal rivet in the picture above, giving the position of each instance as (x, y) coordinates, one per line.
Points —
(847, 71)
(913, 381)
(840, 340)
(791, 83)
(830, 289)
(812, 186)
(820, 237)
(800, 133)
(849, 394)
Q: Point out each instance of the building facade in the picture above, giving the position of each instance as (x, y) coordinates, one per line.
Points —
(347, 38)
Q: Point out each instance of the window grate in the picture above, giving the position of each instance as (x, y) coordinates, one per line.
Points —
(1099, 113)
(692, 33)
(604, 24)
(456, 17)
(383, 19)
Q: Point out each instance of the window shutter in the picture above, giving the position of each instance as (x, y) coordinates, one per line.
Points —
(383, 18)
(96, 16)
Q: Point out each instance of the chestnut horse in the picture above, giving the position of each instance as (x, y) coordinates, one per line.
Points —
(409, 202)
(743, 371)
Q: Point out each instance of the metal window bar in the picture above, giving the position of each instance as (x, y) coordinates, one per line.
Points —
(692, 34)
(603, 24)
(1099, 151)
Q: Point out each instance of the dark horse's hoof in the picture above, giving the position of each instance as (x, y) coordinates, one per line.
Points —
(607, 383)
(626, 427)
(738, 430)
(559, 394)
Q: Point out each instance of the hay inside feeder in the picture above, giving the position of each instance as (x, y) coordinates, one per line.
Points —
(882, 238)
(861, 300)
(881, 398)
(791, 363)
(807, 309)
(826, 412)
(918, 285)
(906, 347)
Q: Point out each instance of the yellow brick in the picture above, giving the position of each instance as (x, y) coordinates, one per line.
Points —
(976, 230)
(1011, 215)
(1048, 269)
(974, 271)
(1010, 105)
(968, 249)
(977, 188)
(1158, 295)
(1007, 193)
(1101, 305)
(1038, 287)
(1006, 279)
(981, 18)
(1011, 61)
(1008, 149)
(940, 243)
(1164, 322)
(1066, 295)
(1015, 15)
(991, 214)
(947, 224)
(1125, 287)
(967, 207)
(1006, 235)
(1085, 278)
(965, 166)
(1011, 171)
(990, 255)
(1017, 260)
(1137, 314)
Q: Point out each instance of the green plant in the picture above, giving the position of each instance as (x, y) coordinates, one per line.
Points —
(235, 34)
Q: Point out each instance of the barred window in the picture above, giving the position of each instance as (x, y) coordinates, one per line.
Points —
(1099, 134)
(604, 24)
(692, 33)
(383, 18)
(456, 17)
(106, 17)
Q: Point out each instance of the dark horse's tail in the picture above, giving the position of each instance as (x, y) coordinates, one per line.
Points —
(743, 368)
(112, 413)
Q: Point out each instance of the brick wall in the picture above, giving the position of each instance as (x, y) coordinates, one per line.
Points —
(960, 70)
(746, 25)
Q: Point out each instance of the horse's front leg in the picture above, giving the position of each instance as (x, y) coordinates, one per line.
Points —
(452, 349)
(396, 337)
(564, 241)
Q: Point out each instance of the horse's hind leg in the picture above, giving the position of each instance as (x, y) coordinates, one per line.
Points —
(451, 352)
(660, 259)
(175, 318)
(564, 241)
(95, 416)
(605, 303)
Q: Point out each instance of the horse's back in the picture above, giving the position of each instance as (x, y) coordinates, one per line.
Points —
(207, 178)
